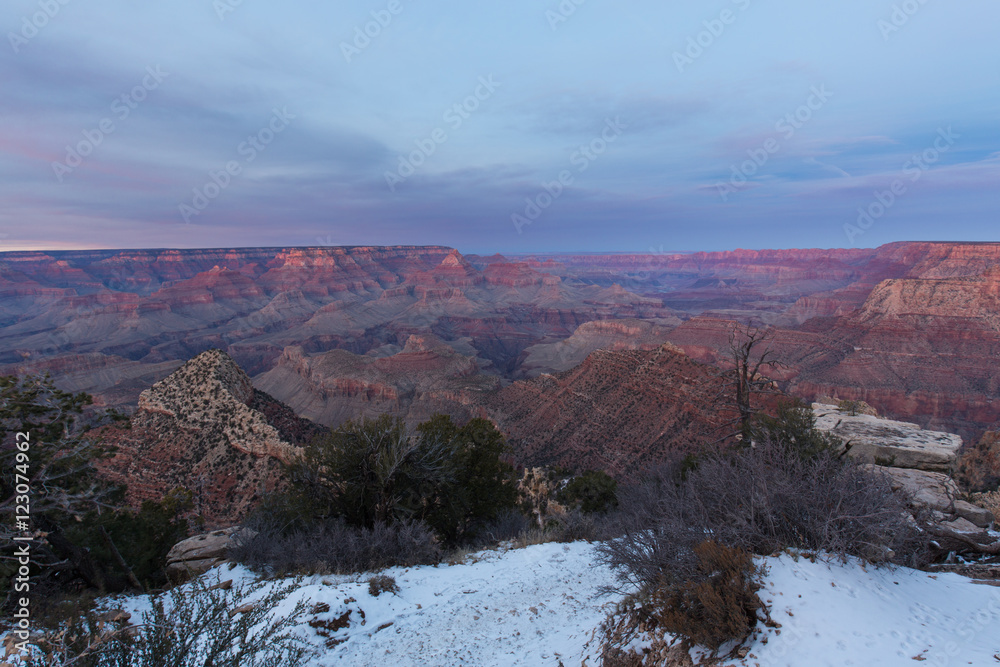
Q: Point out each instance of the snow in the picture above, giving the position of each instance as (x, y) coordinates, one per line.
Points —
(534, 606)
(834, 614)
(542, 605)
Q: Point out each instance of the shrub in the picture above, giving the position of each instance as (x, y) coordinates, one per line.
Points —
(713, 604)
(795, 426)
(142, 538)
(333, 547)
(979, 464)
(382, 584)
(593, 491)
(750, 500)
(44, 445)
(367, 472)
(576, 525)
(763, 499)
(478, 484)
(570, 526)
(187, 627)
(376, 472)
(708, 599)
(507, 525)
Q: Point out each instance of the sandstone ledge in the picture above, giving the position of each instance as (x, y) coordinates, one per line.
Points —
(874, 439)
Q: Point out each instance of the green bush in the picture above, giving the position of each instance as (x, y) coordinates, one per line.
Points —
(477, 485)
(592, 492)
(375, 471)
(795, 426)
(142, 538)
(44, 441)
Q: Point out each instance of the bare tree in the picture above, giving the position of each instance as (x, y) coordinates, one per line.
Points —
(750, 351)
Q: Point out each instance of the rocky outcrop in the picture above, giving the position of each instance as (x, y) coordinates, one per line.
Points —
(207, 429)
(937, 492)
(624, 334)
(619, 411)
(212, 392)
(426, 376)
(898, 444)
(917, 462)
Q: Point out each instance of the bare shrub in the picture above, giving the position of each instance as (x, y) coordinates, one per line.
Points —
(507, 525)
(762, 500)
(716, 602)
(753, 500)
(709, 599)
(576, 525)
(200, 624)
(382, 584)
(333, 547)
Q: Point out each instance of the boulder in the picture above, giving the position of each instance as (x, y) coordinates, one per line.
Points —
(197, 555)
(936, 491)
(901, 444)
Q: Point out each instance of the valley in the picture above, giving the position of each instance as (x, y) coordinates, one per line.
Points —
(910, 328)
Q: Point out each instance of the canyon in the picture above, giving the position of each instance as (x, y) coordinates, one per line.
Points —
(911, 328)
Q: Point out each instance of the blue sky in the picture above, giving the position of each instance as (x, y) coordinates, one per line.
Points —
(672, 126)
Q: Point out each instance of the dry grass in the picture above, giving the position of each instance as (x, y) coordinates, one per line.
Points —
(462, 556)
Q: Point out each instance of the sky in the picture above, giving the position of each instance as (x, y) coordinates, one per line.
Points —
(512, 127)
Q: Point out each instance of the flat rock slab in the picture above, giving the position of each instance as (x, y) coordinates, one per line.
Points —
(900, 444)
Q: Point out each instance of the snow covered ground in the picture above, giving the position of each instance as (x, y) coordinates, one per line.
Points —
(540, 606)
(537, 606)
(842, 615)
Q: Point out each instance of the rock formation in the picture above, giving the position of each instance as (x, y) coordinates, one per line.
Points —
(199, 554)
(425, 377)
(205, 428)
(894, 443)
(916, 461)
(910, 328)
(619, 411)
(626, 334)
